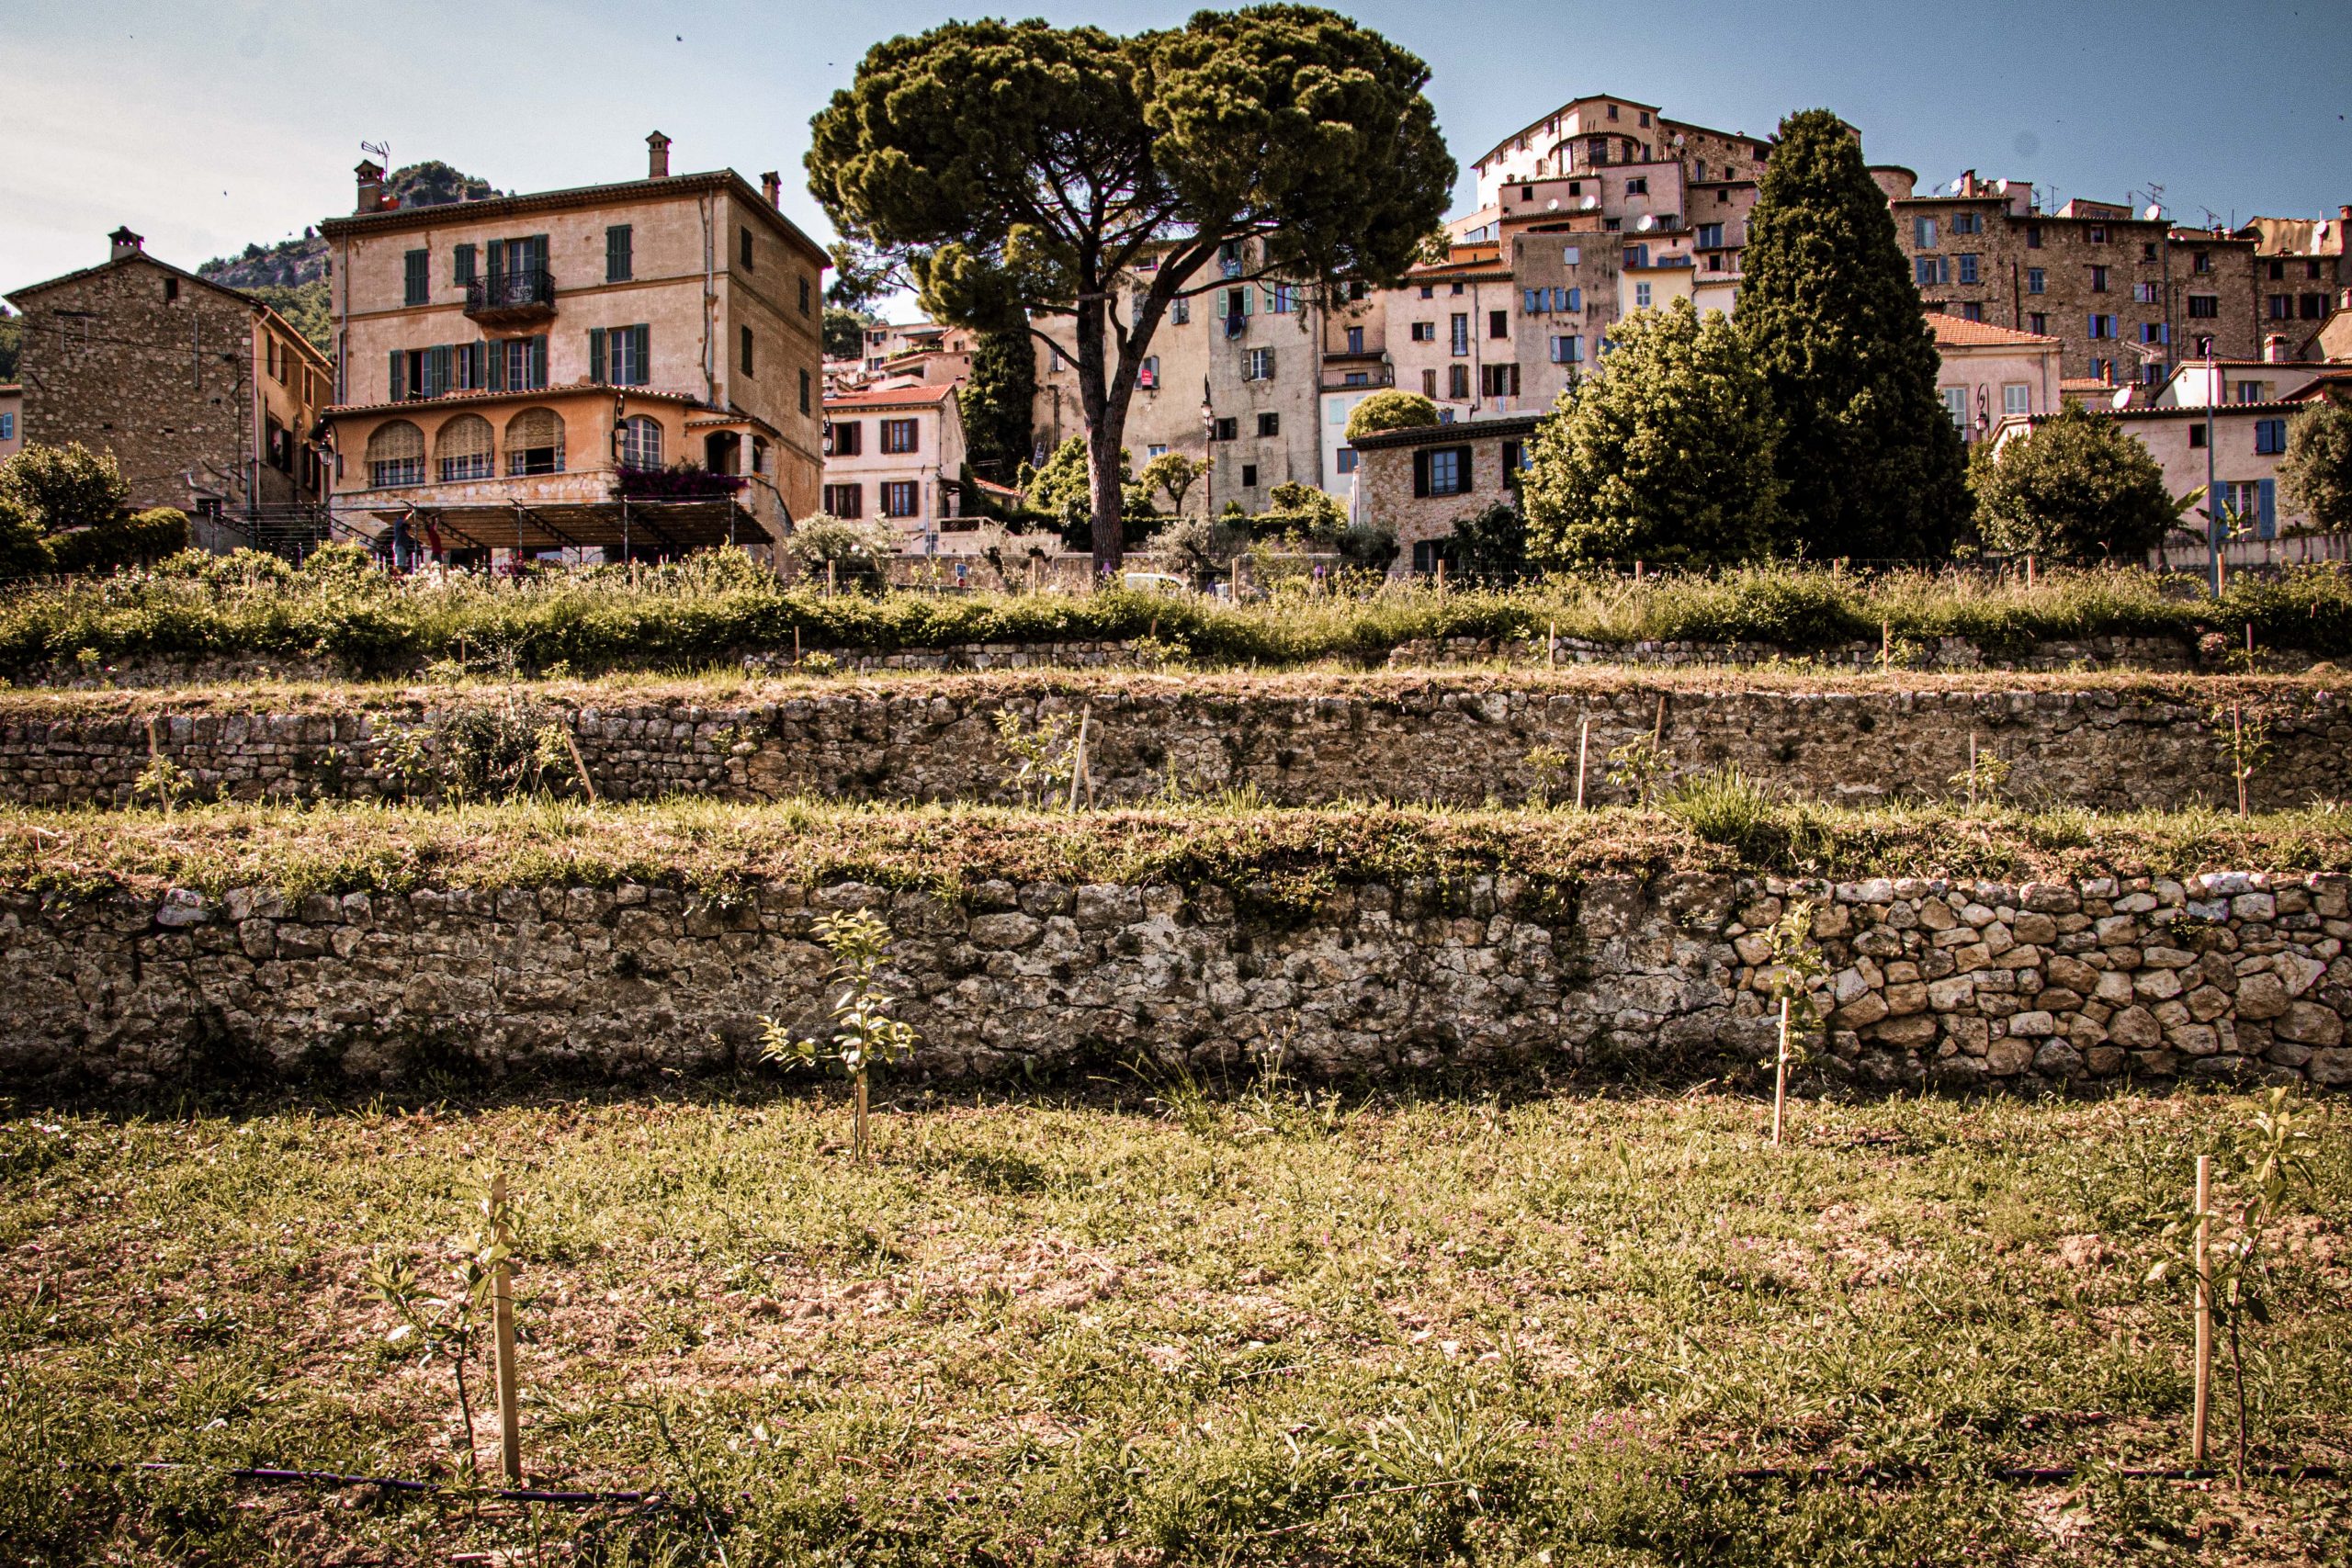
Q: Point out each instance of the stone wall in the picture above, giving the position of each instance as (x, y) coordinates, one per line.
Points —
(1298, 740)
(2070, 985)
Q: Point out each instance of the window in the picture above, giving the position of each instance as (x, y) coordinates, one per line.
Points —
(2016, 399)
(1441, 470)
(1641, 297)
(418, 277)
(2314, 307)
(1428, 290)
(278, 443)
(1270, 424)
(1498, 324)
(1227, 430)
(846, 500)
(1923, 233)
(2102, 326)
(1929, 271)
(620, 265)
(1457, 382)
(535, 443)
(804, 295)
(1428, 384)
(1282, 298)
(744, 247)
(2143, 294)
(901, 498)
(2155, 332)
(2099, 280)
(1572, 255)
(744, 340)
(2197, 437)
(7, 426)
(1711, 236)
(847, 440)
(1179, 312)
(1248, 476)
(1968, 223)
(1356, 378)
(1967, 268)
(1567, 351)
(2033, 236)
(1424, 332)
(1956, 405)
(1637, 255)
(1499, 381)
(396, 456)
(1638, 187)
(1517, 459)
(464, 263)
(2099, 234)
(2036, 281)
(2200, 261)
(2282, 307)
(1147, 373)
(620, 356)
(640, 442)
(171, 289)
(899, 435)
(463, 450)
(1229, 256)
(2148, 252)
(2253, 506)
(2311, 272)
(2103, 370)
(2151, 372)
(2254, 391)
(1972, 311)
(2277, 271)
(1355, 340)
(1258, 365)
(512, 365)
(2204, 306)
(1461, 335)
(2269, 436)
(1347, 459)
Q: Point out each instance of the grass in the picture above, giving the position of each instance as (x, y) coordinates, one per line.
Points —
(344, 613)
(1162, 1326)
(1287, 858)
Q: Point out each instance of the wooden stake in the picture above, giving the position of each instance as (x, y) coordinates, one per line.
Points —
(1441, 574)
(1584, 741)
(1658, 733)
(2237, 754)
(795, 645)
(502, 1317)
(832, 578)
(2029, 572)
(861, 1118)
(2249, 647)
(1972, 770)
(1780, 1076)
(1885, 646)
(577, 761)
(1552, 647)
(1078, 761)
(2204, 1371)
(1637, 570)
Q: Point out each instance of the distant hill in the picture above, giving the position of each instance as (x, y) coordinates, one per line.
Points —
(290, 277)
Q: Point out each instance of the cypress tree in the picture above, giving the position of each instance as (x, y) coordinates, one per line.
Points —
(1871, 464)
(997, 401)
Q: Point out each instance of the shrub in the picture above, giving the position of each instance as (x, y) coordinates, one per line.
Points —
(59, 488)
(1391, 409)
(1491, 543)
(2315, 478)
(2076, 488)
(148, 535)
(858, 552)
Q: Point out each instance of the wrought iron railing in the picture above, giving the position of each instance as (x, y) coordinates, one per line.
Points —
(532, 289)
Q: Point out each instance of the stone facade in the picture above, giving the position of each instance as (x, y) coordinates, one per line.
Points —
(1422, 482)
(1302, 741)
(2056, 984)
(206, 398)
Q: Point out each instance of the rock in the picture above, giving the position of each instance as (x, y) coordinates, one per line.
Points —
(2032, 1024)
(2307, 1024)
(2058, 1060)
(182, 907)
(2007, 1057)
(2136, 1028)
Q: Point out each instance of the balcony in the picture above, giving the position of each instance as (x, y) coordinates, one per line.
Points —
(511, 298)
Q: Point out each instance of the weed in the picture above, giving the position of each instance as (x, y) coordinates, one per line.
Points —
(1045, 758)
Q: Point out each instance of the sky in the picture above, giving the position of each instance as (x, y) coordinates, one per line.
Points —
(207, 124)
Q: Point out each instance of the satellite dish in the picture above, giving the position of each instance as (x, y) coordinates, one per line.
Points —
(1588, 203)
(1646, 224)
(2156, 213)
(1553, 205)
(1678, 139)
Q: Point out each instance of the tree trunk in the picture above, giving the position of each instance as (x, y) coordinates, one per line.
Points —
(1110, 503)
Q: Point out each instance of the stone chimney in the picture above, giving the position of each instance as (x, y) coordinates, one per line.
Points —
(371, 185)
(772, 186)
(125, 244)
(657, 157)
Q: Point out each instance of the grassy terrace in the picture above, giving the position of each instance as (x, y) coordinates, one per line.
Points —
(1153, 1326)
(708, 846)
(715, 608)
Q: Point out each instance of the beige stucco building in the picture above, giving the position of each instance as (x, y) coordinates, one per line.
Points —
(1991, 373)
(630, 367)
(897, 453)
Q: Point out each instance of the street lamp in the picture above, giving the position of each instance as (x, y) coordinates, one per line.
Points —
(1208, 451)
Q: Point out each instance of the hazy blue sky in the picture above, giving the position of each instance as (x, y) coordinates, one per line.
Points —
(205, 125)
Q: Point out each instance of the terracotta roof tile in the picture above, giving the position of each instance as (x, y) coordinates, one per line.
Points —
(1961, 333)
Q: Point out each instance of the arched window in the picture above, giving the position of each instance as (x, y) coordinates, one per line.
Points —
(462, 449)
(535, 443)
(396, 456)
(640, 442)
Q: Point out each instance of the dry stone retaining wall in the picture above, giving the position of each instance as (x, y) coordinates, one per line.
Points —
(2057, 984)
(1460, 739)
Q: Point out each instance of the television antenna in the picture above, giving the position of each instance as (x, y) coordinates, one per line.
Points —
(381, 150)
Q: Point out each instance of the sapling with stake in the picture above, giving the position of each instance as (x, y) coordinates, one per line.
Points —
(1986, 772)
(1798, 969)
(863, 1032)
(455, 1325)
(1638, 766)
(1046, 758)
(2245, 745)
(2218, 1246)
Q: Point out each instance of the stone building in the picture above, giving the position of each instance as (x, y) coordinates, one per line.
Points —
(207, 398)
(633, 367)
(12, 415)
(2300, 270)
(1421, 482)
(897, 453)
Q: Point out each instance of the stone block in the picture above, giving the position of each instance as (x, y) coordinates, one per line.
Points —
(2155, 985)
(1003, 933)
(2032, 1024)
(2136, 1029)
(2058, 1060)
(2005, 1058)
(2307, 1024)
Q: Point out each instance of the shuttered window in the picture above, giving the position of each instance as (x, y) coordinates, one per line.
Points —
(463, 450)
(463, 260)
(619, 263)
(419, 277)
(1441, 470)
(535, 443)
(620, 356)
(396, 454)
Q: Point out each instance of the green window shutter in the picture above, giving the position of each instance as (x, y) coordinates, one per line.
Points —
(1420, 473)
(397, 383)
(442, 380)
(618, 261)
(540, 361)
(596, 355)
(538, 252)
(495, 354)
(644, 361)
(497, 259)
(461, 265)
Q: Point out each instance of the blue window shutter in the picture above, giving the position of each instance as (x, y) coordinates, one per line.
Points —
(596, 355)
(2268, 527)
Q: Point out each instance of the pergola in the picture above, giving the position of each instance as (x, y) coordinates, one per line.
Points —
(672, 526)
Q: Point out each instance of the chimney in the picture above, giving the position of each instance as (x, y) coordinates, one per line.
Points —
(772, 186)
(371, 185)
(657, 159)
(2274, 349)
(125, 244)
(2345, 213)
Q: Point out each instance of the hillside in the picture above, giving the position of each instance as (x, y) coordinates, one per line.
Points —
(291, 276)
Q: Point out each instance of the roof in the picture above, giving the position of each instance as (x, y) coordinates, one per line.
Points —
(2198, 411)
(239, 295)
(1958, 332)
(1533, 126)
(527, 394)
(2295, 236)
(1460, 429)
(920, 396)
(394, 220)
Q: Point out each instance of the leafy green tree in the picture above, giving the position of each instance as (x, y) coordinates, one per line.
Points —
(999, 399)
(1871, 463)
(1491, 542)
(1025, 168)
(1665, 454)
(2315, 478)
(2074, 487)
(1174, 474)
(57, 488)
(858, 552)
(12, 330)
(1063, 493)
(846, 332)
(1391, 409)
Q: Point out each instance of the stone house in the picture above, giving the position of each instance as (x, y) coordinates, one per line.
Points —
(897, 453)
(1421, 482)
(207, 398)
(1990, 373)
(518, 373)
(2299, 269)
